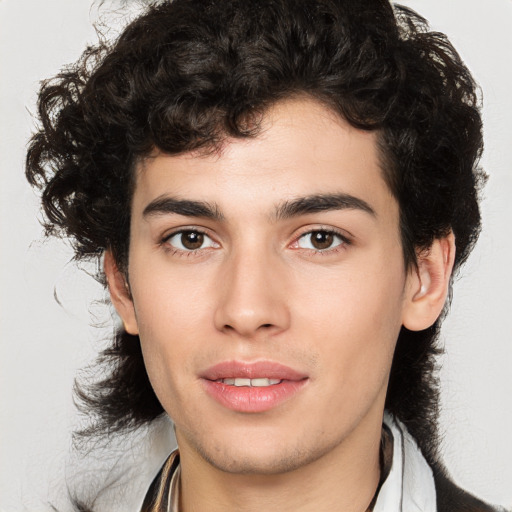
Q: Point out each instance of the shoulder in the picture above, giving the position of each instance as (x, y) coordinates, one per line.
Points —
(451, 498)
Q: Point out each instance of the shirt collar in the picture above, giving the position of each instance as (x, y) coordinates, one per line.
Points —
(410, 485)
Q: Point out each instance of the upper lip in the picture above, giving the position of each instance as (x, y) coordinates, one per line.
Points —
(254, 370)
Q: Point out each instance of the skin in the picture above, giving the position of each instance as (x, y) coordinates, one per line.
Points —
(258, 289)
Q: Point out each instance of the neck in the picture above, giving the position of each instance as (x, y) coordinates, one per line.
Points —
(345, 478)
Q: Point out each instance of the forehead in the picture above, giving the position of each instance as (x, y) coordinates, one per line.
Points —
(302, 148)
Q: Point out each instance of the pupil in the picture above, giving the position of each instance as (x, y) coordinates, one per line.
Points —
(322, 239)
(192, 240)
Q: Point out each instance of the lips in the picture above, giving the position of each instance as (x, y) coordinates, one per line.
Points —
(252, 387)
(259, 369)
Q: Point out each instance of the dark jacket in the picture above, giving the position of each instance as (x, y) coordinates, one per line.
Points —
(451, 498)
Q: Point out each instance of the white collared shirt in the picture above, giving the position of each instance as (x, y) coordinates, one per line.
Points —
(410, 485)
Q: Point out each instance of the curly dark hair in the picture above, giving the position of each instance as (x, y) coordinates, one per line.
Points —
(187, 74)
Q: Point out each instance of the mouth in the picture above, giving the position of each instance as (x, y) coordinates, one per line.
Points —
(252, 387)
(251, 383)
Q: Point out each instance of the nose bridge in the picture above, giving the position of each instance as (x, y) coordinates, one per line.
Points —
(251, 297)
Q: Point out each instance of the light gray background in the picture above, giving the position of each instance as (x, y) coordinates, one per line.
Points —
(43, 344)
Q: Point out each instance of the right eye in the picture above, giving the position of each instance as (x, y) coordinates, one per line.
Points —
(320, 240)
(190, 240)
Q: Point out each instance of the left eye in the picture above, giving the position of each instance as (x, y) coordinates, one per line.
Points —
(190, 240)
(320, 240)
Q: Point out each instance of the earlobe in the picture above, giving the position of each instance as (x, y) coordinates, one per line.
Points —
(120, 293)
(428, 284)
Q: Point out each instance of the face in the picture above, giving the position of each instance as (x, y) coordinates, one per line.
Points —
(267, 283)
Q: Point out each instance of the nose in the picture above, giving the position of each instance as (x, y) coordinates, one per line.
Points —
(252, 295)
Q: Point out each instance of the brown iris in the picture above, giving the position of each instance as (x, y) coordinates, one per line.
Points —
(321, 239)
(192, 240)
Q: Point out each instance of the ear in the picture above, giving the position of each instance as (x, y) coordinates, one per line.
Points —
(427, 285)
(120, 293)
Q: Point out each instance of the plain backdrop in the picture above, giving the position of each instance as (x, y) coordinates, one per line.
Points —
(43, 344)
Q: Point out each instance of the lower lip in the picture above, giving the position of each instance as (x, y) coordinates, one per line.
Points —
(253, 399)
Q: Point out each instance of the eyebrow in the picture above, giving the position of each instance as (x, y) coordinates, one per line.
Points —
(293, 208)
(185, 207)
(320, 203)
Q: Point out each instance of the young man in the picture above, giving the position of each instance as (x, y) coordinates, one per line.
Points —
(281, 191)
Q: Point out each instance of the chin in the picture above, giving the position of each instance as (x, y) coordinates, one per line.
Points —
(255, 464)
(260, 456)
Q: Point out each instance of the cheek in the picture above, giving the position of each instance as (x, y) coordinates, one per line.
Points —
(171, 316)
(356, 318)
(168, 299)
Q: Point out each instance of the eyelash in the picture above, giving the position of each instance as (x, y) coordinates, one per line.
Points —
(344, 242)
(184, 252)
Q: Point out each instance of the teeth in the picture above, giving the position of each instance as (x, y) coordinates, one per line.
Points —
(256, 383)
(242, 382)
(261, 383)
